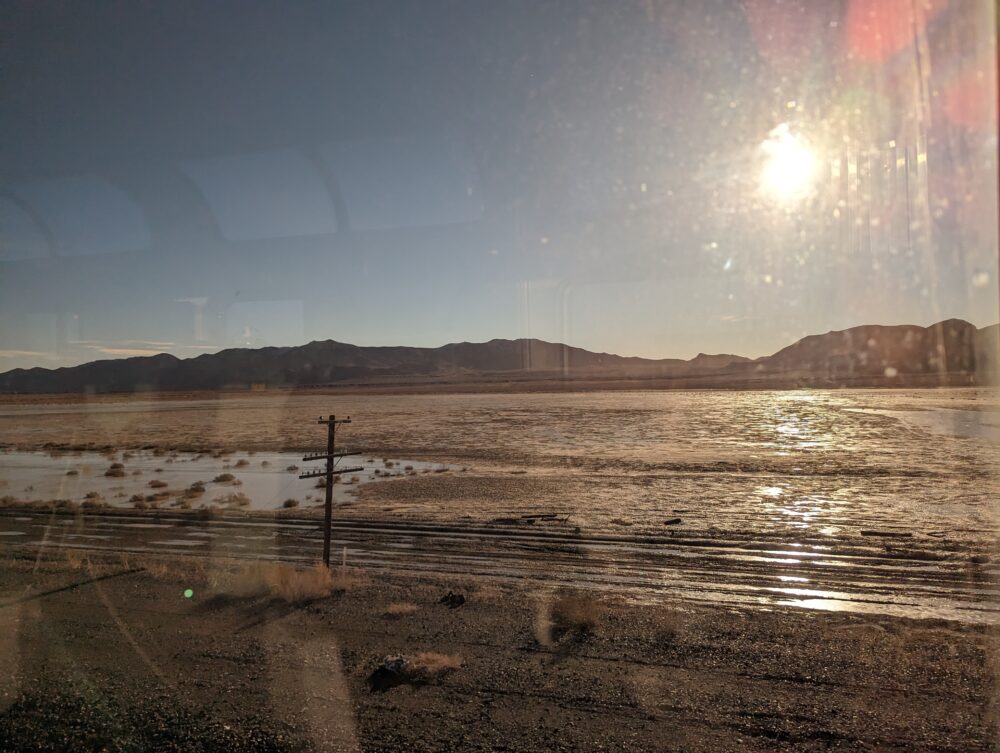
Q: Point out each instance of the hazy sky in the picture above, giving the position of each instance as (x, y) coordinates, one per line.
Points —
(647, 178)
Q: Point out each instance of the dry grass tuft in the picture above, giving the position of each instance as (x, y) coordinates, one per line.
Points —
(576, 613)
(433, 664)
(158, 569)
(75, 560)
(400, 608)
(289, 503)
(288, 583)
(348, 578)
(280, 580)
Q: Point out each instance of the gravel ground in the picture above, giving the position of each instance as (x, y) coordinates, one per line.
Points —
(117, 657)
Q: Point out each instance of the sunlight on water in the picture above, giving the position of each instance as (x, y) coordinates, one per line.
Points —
(850, 491)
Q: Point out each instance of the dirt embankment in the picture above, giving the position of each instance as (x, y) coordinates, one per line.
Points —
(167, 656)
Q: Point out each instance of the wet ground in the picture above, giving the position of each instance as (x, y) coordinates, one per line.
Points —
(867, 577)
(880, 501)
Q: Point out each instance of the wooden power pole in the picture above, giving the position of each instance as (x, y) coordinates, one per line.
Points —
(330, 456)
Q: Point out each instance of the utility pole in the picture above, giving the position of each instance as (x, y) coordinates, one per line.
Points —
(330, 456)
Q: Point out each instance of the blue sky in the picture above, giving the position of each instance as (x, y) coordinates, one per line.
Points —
(647, 178)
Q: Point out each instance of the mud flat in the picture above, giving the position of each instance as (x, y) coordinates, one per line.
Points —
(172, 654)
(868, 500)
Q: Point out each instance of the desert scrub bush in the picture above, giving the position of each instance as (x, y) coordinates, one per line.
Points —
(72, 472)
(195, 490)
(157, 484)
(289, 503)
(292, 468)
(242, 463)
(234, 498)
(224, 478)
(407, 467)
(264, 464)
(420, 669)
(575, 615)
(115, 470)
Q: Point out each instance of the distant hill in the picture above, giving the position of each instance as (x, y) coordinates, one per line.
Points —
(952, 352)
(951, 346)
(329, 362)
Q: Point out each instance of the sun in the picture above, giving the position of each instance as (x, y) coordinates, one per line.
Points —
(791, 167)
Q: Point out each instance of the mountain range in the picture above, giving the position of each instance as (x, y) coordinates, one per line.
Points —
(952, 352)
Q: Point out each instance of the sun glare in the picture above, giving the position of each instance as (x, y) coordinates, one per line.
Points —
(790, 166)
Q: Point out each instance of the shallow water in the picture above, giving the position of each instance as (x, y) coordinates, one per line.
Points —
(262, 481)
(875, 500)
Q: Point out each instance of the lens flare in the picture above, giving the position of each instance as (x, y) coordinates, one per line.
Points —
(791, 167)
